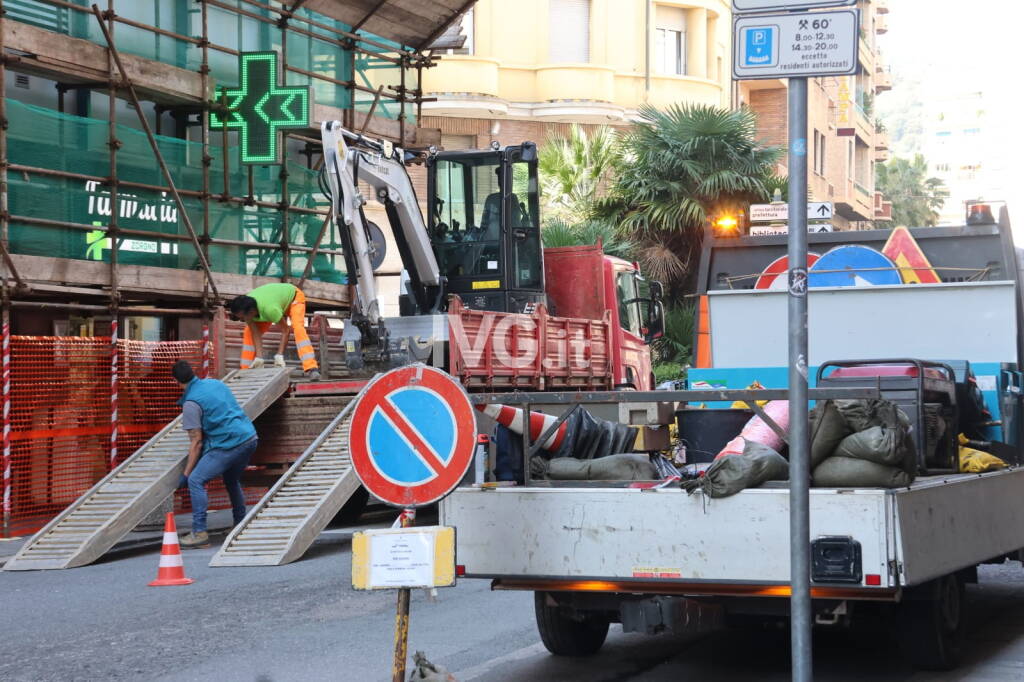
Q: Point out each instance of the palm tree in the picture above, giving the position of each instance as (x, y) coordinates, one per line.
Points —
(679, 167)
(916, 198)
(574, 169)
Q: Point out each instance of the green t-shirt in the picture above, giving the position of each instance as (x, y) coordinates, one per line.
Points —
(272, 300)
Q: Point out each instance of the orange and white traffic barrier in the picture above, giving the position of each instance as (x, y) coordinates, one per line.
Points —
(172, 569)
(512, 418)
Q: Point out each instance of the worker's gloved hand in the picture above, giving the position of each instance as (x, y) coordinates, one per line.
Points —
(279, 360)
(183, 482)
(257, 364)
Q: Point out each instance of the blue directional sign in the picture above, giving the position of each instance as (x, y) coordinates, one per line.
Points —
(853, 265)
(412, 435)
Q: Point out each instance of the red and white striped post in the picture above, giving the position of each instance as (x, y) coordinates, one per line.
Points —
(206, 352)
(7, 419)
(114, 362)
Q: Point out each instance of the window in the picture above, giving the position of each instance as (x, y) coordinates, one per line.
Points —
(670, 41)
(526, 261)
(467, 219)
(819, 153)
(569, 31)
(629, 313)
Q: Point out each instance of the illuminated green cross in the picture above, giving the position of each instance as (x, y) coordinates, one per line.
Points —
(260, 107)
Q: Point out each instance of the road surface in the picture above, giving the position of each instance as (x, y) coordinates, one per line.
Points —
(304, 622)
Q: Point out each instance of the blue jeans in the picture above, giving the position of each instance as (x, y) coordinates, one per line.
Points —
(228, 464)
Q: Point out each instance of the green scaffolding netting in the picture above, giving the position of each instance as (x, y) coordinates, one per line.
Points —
(232, 30)
(43, 138)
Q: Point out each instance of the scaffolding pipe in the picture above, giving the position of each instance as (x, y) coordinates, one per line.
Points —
(112, 144)
(130, 310)
(156, 149)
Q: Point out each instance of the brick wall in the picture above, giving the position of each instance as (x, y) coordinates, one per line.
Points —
(770, 106)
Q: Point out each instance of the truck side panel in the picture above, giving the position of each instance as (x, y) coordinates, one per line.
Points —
(505, 351)
(945, 524)
(623, 534)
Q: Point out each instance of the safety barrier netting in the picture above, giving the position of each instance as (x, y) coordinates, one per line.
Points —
(66, 432)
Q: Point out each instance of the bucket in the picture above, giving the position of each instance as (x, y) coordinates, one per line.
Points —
(706, 432)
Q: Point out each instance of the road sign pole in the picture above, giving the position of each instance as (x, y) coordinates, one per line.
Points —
(799, 446)
(408, 518)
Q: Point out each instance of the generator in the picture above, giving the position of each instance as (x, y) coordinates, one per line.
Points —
(926, 391)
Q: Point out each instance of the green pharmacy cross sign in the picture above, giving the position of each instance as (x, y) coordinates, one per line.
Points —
(261, 106)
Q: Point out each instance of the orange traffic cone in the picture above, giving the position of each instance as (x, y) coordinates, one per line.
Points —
(172, 570)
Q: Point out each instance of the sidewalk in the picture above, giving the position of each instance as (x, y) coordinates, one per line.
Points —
(218, 523)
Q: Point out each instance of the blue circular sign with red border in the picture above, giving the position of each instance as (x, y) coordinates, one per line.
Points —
(412, 435)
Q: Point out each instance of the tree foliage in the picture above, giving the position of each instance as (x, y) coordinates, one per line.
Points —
(574, 169)
(916, 198)
(678, 167)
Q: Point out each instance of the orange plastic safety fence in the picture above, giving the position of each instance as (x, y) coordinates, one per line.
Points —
(61, 417)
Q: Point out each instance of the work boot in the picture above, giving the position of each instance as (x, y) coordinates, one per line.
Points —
(313, 375)
(199, 540)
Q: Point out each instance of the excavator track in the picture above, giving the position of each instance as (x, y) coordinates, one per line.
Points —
(109, 510)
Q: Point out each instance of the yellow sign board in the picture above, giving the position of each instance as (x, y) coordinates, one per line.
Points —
(487, 284)
(394, 558)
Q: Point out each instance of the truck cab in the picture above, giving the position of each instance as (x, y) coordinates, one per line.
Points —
(584, 282)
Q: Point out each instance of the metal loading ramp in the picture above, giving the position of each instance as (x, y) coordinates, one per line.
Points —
(282, 526)
(113, 507)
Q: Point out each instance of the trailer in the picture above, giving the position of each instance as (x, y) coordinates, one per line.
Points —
(657, 558)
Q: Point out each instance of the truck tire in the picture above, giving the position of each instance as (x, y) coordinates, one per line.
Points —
(931, 622)
(564, 635)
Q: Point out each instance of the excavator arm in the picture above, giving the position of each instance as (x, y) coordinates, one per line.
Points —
(349, 158)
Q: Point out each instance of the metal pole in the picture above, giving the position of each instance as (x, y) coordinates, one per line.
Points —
(799, 446)
(407, 518)
(8, 479)
(156, 150)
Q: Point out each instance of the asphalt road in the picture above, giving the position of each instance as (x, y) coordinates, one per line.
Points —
(304, 622)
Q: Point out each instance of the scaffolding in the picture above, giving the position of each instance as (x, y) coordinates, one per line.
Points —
(83, 193)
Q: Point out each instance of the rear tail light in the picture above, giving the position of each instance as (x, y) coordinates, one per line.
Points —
(460, 570)
(873, 579)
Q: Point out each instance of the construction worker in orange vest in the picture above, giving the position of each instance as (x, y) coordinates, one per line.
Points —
(267, 305)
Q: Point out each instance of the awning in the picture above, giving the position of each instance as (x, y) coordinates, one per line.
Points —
(413, 23)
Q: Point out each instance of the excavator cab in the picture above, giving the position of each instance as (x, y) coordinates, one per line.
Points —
(484, 224)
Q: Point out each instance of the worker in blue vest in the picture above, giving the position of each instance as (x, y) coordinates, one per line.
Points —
(221, 441)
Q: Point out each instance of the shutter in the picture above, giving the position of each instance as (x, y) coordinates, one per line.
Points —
(569, 31)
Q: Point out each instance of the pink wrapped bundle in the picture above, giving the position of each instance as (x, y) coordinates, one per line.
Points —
(757, 431)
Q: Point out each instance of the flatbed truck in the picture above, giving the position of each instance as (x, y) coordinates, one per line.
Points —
(658, 559)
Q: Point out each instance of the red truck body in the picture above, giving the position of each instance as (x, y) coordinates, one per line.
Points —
(588, 337)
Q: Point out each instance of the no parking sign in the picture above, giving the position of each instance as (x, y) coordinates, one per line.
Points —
(412, 436)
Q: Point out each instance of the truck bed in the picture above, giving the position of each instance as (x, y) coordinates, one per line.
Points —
(668, 541)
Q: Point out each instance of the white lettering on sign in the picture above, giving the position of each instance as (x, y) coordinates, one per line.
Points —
(795, 45)
(769, 230)
(762, 213)
(402, 560)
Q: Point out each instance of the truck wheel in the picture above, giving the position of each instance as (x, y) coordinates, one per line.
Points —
(931, 621)
(565, 635)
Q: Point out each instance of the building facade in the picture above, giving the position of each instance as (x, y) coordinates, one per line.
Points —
(844, 137)
(965, 143)
(532, 67)
(97, 230)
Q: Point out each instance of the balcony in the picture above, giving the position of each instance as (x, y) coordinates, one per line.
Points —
(854, 201)
(881, 24)
(883, 208)
(577, 92)
(881, 6)
(883, 80)
(464, 85)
